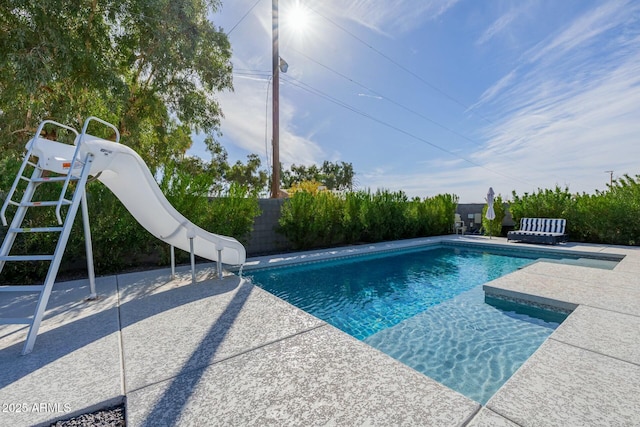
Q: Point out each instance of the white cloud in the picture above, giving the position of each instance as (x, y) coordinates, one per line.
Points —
(563, 119)
(294, 148)
(494, 90)
(568, 131)
(365, 95)
(391, 16)
(556, 53)
(249, 99)
(498, 26)
(470, 184)
(563, 114)
(584, 29)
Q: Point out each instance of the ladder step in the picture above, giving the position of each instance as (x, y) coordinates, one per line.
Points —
(36, 230)
(16, 320)
(26, 258)
(45, 203)
(53, 179)
(22, 288)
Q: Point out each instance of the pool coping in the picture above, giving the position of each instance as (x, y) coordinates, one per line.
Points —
(475, 242)
(149, 341)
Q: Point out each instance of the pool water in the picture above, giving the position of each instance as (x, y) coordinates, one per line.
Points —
(426, 308)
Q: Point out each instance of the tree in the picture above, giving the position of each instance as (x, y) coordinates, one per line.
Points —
(334, 176)
(249, 175)
(151, 66)
(215, 177)
(337, 176)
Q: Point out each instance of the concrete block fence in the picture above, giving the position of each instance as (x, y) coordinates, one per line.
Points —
(266, 240)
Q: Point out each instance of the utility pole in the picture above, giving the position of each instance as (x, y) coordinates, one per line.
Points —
(610, 178)
(275, 129)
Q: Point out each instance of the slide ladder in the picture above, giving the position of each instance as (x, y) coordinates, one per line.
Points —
(73, 174)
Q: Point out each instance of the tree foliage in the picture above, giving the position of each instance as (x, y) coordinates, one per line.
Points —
(151, 66)
(222, 175)
(604, 217)
(334, 176)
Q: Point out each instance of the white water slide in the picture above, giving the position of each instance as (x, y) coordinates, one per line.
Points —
(124, 172)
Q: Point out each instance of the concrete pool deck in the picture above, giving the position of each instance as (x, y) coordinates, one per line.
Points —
(223, 352)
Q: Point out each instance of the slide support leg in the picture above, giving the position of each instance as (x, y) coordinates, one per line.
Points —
(193, 261)
(88, 246)
(219, 264)
(173, 262)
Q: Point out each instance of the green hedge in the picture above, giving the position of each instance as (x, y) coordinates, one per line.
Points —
(119, 242)
(604, 217)
(326, 219)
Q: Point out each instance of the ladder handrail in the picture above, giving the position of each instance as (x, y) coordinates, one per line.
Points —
(76, 158)
(78, 142)
(25, 162)
(83, 133)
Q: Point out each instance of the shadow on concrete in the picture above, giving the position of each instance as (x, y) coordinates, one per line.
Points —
(78, 332)
(170, 406)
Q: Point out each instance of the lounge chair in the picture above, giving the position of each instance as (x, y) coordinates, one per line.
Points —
(458, 225)
(540, 230)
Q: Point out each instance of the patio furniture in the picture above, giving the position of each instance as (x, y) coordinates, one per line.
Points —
(458, 225)
(540, 230)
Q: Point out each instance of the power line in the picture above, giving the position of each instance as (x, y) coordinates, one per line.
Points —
(317, 92)
(243, 16)
(402, 67)
(397, 64)
(386, 98)
(257, 76)
(310, 89)
(374, 92)
(336, 101)
(249, 70)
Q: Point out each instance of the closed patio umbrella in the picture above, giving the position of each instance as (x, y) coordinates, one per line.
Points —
(491, 214)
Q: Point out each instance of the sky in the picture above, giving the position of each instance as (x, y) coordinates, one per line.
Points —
(441, 96)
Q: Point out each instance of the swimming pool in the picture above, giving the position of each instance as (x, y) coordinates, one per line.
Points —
(426, 308)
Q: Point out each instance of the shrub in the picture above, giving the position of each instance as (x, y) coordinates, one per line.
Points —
(556, 203)
(230, 213)
(310, 220)
(352, 223)
(494, 227)
(604, 217)
(383, 217)
(440, 213)
(325, 219)
(118, 240)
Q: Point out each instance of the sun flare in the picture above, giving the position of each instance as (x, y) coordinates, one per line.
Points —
(298, 18)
